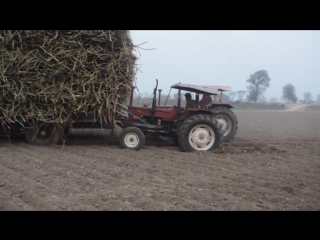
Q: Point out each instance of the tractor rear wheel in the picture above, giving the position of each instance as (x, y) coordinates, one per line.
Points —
(132, 138)
(229, 122)
(199, 133)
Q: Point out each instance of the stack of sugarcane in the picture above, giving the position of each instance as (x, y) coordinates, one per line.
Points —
(52, 76)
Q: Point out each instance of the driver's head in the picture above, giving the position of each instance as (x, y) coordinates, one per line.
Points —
(188, 96)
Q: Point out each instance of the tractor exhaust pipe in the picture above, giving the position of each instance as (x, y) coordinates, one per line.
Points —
(159, 98)
(131, 97)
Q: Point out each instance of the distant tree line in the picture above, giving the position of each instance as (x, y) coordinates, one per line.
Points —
(260, 81)
(258, 84)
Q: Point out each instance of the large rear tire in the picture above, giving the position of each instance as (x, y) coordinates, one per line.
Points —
(132, 138)
(43, 135)
(229, 122)
(199, 133)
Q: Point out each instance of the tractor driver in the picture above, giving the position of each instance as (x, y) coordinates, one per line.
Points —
(190, 103)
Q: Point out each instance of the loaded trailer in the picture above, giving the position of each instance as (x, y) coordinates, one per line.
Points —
(199, 130)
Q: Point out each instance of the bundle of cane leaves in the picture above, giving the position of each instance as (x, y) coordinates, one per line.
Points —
(53, 76)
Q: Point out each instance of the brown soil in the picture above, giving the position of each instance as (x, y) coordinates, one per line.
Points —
(272, 164)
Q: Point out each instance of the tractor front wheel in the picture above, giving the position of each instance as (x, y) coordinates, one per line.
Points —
(199, 133)
(132, 138)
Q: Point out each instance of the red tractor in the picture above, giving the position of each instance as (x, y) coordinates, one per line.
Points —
(211, 101)
(198, 131)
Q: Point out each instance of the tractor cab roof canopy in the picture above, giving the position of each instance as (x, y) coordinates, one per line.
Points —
(197, 89)
(220, 88)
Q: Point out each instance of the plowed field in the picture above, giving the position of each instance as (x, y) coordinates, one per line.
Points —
(272, 164)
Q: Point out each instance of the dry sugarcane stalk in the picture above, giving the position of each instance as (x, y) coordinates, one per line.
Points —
(51, 75)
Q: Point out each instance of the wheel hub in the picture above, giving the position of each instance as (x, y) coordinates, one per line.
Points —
(201, 138)
(225, 124)
(131, 140)
(44, 133)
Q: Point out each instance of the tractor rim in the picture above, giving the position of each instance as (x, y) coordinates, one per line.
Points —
(131, 140)
(44, 133)
(225, 122)
(201, 137)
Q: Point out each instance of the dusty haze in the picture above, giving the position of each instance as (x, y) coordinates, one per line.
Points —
(229, 57)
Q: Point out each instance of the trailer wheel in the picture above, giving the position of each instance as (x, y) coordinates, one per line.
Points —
(43, 135)
(66, 131)
(132, 138)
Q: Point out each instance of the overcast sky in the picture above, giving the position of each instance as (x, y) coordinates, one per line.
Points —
(228, 58)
